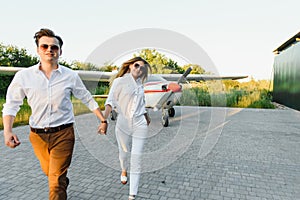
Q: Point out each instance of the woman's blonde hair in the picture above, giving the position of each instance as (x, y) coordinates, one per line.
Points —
(125, 68)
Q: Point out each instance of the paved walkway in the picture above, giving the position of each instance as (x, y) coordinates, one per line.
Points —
(205, 153)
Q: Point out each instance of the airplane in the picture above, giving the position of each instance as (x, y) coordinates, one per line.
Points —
(162, 91)
(163, 94)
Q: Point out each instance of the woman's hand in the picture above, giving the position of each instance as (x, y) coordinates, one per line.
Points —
(102, 128)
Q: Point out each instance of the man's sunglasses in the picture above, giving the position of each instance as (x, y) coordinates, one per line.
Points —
(44, 47)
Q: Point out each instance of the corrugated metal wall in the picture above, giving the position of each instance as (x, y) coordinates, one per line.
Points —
(286, 89)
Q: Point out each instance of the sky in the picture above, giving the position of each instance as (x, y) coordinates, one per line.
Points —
(239, 36)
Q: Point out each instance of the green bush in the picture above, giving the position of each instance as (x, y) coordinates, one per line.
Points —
(234, 97)
(4, 83)
(23, 115)
(265, 101)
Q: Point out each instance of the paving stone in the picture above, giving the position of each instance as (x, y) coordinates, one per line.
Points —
(256, 155)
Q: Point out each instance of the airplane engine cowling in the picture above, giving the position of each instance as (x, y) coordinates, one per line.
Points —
(174, 87)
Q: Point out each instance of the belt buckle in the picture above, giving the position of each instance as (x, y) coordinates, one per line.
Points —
(46, 129)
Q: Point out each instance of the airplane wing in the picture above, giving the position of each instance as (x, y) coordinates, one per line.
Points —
(162, 96)
(84, 75)
(104, 76)
(10, 70)
(95, 75)
(199, 77)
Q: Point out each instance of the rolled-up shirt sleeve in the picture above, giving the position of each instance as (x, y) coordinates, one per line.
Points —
(80, 92)
(14, 97)
(112, 95)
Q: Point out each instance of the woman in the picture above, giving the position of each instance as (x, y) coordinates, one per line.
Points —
(127, 96)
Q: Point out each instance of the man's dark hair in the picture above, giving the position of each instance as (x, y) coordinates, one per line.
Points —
(48, 33)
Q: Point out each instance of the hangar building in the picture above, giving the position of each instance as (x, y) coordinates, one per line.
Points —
(286, 87)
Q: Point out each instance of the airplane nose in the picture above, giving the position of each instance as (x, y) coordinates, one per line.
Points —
(174, 87)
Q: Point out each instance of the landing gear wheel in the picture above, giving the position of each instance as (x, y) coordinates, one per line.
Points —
(165, 121)
(171, 112)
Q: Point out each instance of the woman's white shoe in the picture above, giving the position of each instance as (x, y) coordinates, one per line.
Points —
(124, 179)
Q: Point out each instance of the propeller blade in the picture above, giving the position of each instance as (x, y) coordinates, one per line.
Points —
(184, 75)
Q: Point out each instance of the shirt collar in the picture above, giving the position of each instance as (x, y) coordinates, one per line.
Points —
(37, 68)
(59, 68)
(137, 81)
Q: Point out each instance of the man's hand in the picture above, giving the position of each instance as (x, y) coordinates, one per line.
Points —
(11, 140)
(102, 128)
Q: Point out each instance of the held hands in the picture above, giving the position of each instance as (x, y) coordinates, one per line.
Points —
(102, 128)
(11, 140)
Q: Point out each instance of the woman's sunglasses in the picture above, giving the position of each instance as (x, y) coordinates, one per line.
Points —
(137, 66)
(44, 47)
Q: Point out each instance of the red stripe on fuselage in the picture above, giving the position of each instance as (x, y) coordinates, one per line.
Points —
(156, 91)
(160, 91)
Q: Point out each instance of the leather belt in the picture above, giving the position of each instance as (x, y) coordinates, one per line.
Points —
(51, 129)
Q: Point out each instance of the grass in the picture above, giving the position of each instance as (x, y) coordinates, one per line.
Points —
(233, 98)
(253, 94)
(23, 115)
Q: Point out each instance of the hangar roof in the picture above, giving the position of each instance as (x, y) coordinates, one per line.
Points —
(288, 43)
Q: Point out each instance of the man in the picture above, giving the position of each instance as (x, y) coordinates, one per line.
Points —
(48, 87)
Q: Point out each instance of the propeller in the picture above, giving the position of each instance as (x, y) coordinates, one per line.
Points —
(184, 75)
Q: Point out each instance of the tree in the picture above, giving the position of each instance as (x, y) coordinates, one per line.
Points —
(15, 57)
(172, 64)
(160, 64)
(197, 69)
(83, 66)
(65, 63)
(108, 67)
